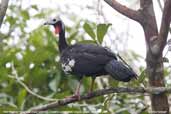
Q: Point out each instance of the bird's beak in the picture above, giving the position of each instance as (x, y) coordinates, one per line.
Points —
(49, 22)
(45, 23)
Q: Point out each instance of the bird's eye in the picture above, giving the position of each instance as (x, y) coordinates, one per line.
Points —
(54, 20)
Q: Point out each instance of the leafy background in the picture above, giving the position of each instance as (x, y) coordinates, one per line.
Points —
(31, 56)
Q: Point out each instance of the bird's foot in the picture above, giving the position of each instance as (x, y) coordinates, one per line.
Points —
(89, 93)
(75, 96)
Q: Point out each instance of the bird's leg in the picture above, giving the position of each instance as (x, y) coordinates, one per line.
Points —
(92, 85)
(77, 91)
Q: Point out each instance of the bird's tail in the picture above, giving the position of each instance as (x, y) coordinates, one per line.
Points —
(120, 71)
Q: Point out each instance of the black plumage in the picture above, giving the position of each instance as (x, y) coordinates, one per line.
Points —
(119, 71)
(89, 59)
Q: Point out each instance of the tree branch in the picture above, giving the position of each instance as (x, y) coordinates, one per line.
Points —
(160, 5)
(130, 13)
(97, 93)
(17, 78)
(3, 8)
(165, 24)
(161, 8)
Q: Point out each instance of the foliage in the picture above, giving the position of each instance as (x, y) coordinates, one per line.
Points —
(101, 30)
(35, 57)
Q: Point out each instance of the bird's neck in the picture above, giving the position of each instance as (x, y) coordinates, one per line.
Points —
(62, 41)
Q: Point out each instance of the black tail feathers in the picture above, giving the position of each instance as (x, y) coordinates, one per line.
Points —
(120, 71)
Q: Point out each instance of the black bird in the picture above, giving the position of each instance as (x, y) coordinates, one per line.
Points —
(89, 59)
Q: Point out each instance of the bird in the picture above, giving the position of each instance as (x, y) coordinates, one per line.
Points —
(88, 59)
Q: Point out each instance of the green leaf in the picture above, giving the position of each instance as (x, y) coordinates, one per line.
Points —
(73, 83)
(11, 20)
(34, 7)
(25, 14)
(101, 31)
(142, 76)
(53, 85)
(72, 36)
(165, 59)
(21, 98)
(89, 30)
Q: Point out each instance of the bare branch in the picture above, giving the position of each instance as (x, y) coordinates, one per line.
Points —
(97, 93)
(160, 5)
(130, 13)
(165, 24)
(3, 8)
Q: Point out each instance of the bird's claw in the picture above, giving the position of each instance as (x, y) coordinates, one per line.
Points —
(74, 96)
(89, 93)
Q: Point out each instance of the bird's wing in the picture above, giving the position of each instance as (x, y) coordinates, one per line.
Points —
(89, 64)
(92, 49)
(89, 59)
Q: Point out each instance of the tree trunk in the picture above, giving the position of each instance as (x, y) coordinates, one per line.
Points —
(155, 43)
(159, 102)
(154, 58)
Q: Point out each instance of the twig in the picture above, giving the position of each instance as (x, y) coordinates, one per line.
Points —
(3, 8)
(160, 5)
(97, 93)
(18, 79)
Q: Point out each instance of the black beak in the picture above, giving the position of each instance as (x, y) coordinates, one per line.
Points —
(48, 23)
(45, 23)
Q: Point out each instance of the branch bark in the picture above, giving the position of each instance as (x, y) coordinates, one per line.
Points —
(130, 13)
(3, 8)
(165, 25)
(66, 101)
(161, 8)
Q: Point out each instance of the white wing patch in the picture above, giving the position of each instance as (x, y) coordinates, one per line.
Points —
(67, 67)
(71, 63)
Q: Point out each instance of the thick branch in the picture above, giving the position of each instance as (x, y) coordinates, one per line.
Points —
(154, 57)
(130, 13)
(66, 101)
(161, 8)
(149, 22)
(165, 24)
(3, 8)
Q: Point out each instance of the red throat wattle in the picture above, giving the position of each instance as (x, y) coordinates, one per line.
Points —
(57, 30)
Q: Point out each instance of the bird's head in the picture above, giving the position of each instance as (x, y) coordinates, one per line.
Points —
(57, 24)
